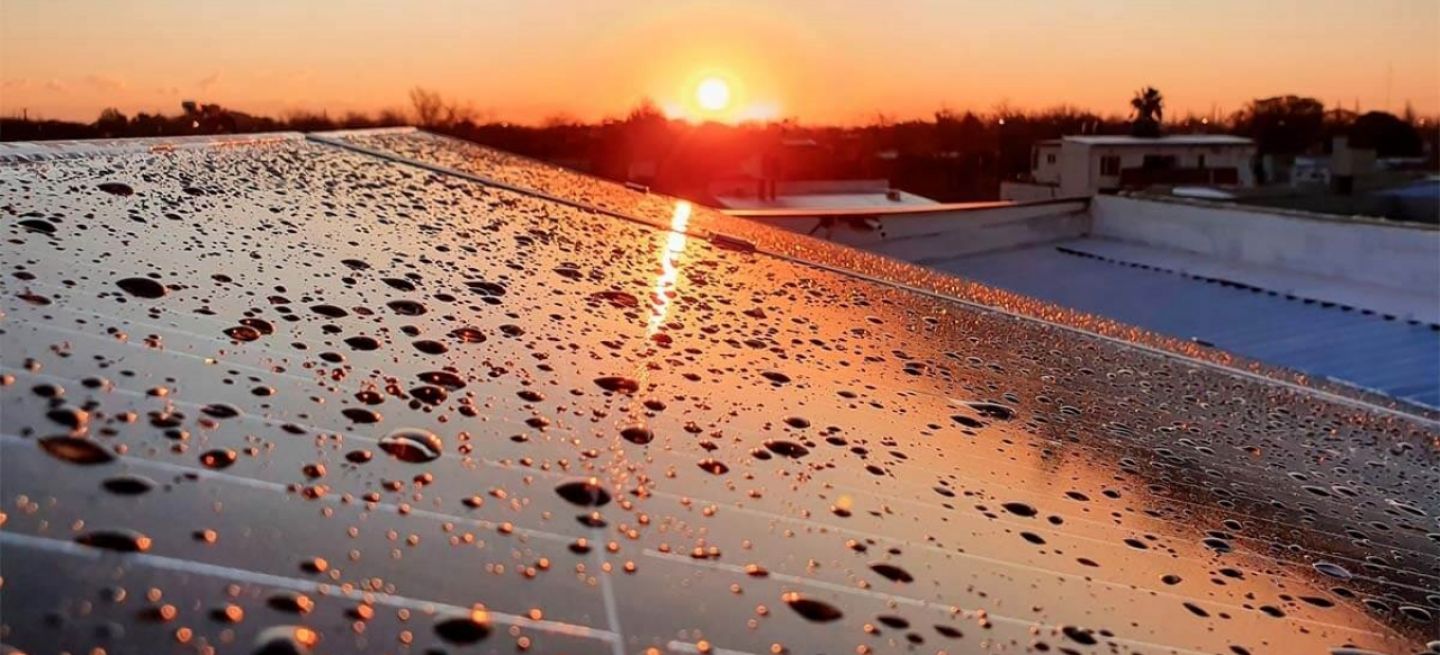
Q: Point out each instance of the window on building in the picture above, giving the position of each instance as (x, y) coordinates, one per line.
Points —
(1200, 161)
(1110, 165)
(1050, 158)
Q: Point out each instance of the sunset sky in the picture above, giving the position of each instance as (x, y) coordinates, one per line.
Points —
(819, 61)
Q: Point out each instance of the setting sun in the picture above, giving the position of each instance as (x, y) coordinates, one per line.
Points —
(713, 94)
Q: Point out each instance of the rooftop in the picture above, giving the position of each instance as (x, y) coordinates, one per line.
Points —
(263, 393)
(1268, 315)
(1353, 300)
(1166, 140)
(821, 194)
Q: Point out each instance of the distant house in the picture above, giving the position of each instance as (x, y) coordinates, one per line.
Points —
(1338, 171)
(1085, 165)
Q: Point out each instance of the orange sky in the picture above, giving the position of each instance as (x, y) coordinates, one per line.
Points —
(820, 60)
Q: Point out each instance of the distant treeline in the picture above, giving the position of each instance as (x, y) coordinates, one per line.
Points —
(951, 156)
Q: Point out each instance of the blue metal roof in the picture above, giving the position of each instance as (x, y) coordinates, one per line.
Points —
(1396, 357)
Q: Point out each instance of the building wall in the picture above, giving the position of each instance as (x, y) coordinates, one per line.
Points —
(1028, 192)
(927, 236)
(1396, 256)
(1081, 172)
(1047, 163)
(1076, 177)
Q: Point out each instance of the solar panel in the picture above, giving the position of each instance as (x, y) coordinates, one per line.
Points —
(497, 168)
(287, 396)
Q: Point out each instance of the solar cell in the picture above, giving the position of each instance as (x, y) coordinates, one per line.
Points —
(283, 396)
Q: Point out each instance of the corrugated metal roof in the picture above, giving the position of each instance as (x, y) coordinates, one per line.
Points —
(287, 397)
(1394, 356)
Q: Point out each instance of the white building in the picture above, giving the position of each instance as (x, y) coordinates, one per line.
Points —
(1085, 165)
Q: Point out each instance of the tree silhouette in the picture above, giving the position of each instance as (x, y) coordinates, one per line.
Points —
(429, 108)
(1388, 134)
(112, 122)
(1286, 125)
(1149, 108)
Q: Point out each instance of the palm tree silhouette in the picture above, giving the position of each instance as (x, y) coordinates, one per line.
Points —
(1149, 108)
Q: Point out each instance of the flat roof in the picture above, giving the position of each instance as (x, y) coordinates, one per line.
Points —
(841, 200)
(1302, 322)
(1167, 140)
(263, 395)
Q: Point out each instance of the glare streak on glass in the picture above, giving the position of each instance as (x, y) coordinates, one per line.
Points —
(669, 269)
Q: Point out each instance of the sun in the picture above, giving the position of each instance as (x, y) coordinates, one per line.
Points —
(713, 94)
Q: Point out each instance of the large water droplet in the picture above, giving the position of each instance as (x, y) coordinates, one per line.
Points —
(330, 311)
(413, 445)
(814, 610)
(1079, 635)
(242, 333)
(76, 450)
(1020, 509)
(141, 287)
(468, 334)
(892, 572)
(638, 434)
(586, 493)
(429, 395)
(617, 383)
(37, 225)
(406, 307)
(713, 466)
(71, 417)
(219, 458)
(120, 540)
(467, 629)
(430, 347)
(992, 410)
(445, 379)
(1333, 570)
(361, 415)
(362, 343)
(776, 376)
(220, 410)
(128, 485)
(616, 298)
(787, 448)
(286, 640)
(291, 601)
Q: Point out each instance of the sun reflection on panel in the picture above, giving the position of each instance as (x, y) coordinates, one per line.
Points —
(669, 269)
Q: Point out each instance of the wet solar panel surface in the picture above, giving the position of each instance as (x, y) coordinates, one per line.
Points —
(462, 158)
(290, 397)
